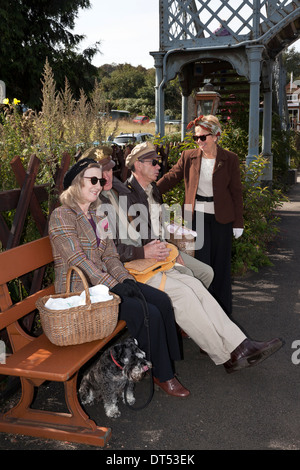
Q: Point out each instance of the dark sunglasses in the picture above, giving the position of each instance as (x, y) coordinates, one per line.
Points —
(154, 162)
(94, 180)
(201, 137)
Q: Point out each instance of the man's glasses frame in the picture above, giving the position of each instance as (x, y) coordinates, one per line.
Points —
(94, 180)
(153, 162)
(201, 137)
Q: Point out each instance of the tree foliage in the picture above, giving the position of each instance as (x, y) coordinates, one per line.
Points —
(35, 30)
(291, 61)
(133, 88)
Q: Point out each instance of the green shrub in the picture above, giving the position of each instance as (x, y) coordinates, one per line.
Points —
(250, 251)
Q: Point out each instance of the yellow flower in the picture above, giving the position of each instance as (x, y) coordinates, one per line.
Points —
(16, 101)
(6, 101)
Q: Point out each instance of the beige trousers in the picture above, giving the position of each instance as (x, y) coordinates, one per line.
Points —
(200, 315)
(196, 268)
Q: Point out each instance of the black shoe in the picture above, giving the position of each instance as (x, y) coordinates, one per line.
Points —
(250, 353)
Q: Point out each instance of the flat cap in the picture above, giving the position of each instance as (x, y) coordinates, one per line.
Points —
(140, 152)
(101, 155)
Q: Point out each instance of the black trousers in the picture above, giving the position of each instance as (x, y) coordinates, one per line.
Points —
(164, 343)
(216, 252)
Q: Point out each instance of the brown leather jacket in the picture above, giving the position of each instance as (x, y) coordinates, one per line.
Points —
(227, 186)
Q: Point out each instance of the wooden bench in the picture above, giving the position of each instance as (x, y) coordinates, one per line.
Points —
(36, 360)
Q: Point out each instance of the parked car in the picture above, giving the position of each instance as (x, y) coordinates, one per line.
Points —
(141, 119)
(169, 121)
(119, 114)
(124, 139)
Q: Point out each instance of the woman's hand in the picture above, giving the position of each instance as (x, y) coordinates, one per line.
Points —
(237, 232)
(128, 288)
(157, 250)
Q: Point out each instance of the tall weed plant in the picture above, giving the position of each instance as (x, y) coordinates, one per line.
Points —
(63, 125)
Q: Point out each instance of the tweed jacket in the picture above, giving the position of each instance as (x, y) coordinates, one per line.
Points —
(74, 243)
(227, 186)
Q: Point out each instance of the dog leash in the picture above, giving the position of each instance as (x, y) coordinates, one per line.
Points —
(146, 320)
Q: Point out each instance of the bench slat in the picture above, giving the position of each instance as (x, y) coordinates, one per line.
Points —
(25, 258)
(41, 359)
(20, 309)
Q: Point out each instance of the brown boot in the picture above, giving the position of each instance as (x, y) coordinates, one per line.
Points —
(250, 353)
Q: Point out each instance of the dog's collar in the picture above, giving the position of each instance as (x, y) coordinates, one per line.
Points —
(117, 364)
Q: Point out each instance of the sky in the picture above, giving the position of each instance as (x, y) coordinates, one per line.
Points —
(128, 31)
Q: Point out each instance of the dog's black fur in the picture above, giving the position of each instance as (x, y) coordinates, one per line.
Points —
(107, 381)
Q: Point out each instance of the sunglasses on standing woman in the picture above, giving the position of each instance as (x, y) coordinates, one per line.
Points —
(201, 137)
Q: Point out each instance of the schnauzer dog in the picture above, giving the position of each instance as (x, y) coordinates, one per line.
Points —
(123, 364)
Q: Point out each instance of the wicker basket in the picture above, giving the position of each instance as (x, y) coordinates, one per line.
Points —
(80, 324)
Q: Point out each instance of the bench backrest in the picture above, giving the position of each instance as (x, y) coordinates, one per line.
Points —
(15, 263)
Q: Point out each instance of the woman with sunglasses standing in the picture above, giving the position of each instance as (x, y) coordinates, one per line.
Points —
(79, 239)
(213, 188)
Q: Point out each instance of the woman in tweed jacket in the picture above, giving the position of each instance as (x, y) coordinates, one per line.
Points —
(74, 234)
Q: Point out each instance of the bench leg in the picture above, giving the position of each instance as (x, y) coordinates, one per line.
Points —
(75, 426)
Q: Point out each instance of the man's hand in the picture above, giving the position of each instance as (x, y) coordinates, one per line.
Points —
(157, 250)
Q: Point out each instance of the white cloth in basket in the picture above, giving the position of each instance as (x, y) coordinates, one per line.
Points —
(99, 293)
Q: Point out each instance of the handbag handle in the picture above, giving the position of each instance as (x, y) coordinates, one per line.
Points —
(84, 281)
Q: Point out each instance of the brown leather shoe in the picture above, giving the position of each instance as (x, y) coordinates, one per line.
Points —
(172, 387)
(250, 353)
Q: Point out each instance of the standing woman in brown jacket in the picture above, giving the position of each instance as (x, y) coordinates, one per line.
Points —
(77, 240)
(213, 189)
